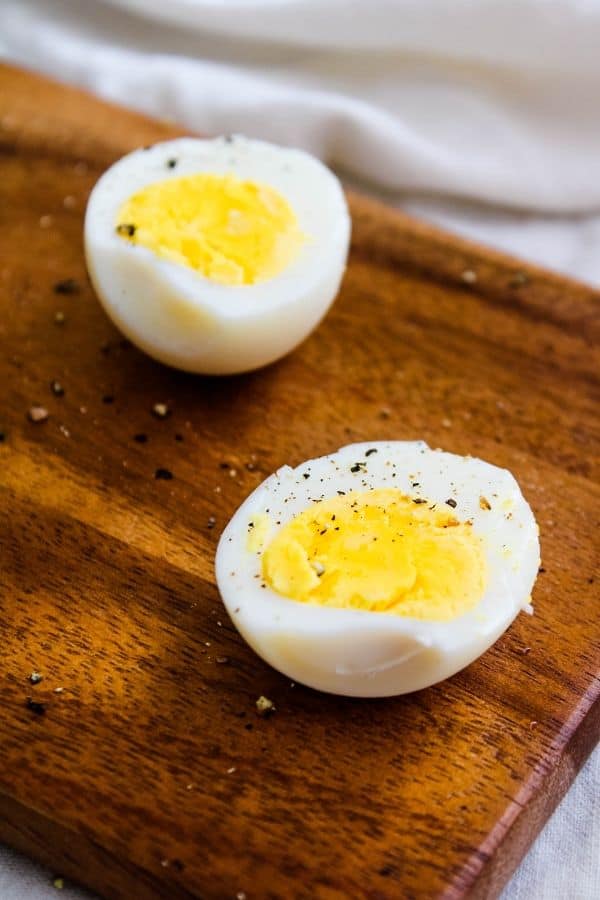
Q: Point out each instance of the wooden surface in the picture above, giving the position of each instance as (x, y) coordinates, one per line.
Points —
(150, 774)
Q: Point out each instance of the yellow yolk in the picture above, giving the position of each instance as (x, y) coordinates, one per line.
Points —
(378, 550)
(230, 231)
(258, 532)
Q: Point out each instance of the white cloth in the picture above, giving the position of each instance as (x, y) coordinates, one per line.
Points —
(494, 100)
(479, 114)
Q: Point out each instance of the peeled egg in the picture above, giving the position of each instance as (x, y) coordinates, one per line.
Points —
(380, 569)
(217, 256)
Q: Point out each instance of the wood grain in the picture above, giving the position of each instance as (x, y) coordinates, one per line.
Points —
(123, 782)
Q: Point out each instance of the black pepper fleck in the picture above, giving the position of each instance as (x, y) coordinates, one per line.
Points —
(163, 474)
(451, 502)
(108, 398)
(171, 163)
(36, 707)
(126, 228)
(140, 438)
(66, 286)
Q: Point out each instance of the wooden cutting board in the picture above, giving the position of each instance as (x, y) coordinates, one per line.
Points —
(149, 774)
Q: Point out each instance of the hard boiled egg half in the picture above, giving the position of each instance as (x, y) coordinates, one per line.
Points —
(379, 569)
(217, 256)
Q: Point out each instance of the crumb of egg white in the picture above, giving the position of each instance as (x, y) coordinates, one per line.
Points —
(37, 414)
(160, 410)
(264, 706)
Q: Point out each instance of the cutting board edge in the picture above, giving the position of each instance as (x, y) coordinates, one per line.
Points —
(483, 876)
(489, 869)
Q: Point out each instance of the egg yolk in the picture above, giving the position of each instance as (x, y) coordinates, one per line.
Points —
(381, 551)
(231, 231)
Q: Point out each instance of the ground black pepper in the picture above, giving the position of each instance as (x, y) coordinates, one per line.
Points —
(66, 286)
(36, 707)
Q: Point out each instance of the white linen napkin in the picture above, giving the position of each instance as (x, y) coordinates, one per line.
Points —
(493, 100)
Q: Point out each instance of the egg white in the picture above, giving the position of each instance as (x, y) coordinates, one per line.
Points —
(186, 320)
(375, 654)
